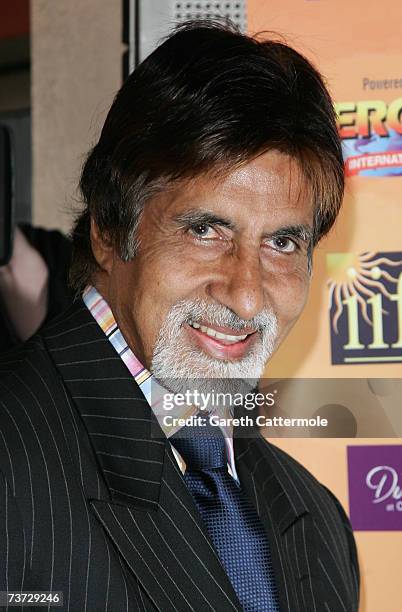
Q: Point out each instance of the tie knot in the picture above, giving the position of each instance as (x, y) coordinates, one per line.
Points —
(201, 445)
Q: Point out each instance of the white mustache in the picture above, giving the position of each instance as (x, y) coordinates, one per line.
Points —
(218, 314)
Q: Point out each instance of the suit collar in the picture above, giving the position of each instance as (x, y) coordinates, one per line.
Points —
(125, 437)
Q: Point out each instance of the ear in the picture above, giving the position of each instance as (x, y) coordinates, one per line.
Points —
(102, 248)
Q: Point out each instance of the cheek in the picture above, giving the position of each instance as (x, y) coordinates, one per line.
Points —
(171, 274)
(160, 283)
(287, 296)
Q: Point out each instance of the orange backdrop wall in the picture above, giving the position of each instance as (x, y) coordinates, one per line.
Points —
(358, 47)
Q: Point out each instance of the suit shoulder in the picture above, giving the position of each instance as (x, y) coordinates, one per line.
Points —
(16, 357)
(29, 393)
(290, 463)
(22, 367)
(313, 492)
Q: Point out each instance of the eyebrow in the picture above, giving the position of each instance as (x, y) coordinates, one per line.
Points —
(194, 216)
(299, 231)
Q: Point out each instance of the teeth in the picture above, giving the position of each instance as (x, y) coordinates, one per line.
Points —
(221, 336)
(215, 334)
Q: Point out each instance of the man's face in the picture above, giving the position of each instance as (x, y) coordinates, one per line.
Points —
(221, 273)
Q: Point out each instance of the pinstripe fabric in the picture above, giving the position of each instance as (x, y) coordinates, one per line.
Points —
(92, 503)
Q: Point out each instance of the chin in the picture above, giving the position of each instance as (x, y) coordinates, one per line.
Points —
(189, 371)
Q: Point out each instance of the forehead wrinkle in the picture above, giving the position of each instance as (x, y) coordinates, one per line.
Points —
(251, 180)
(285, 181)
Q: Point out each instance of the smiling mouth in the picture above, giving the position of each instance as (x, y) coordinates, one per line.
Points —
(218, 343)
(214, 333)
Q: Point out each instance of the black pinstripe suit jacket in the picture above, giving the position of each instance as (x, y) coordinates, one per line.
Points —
(94, 505)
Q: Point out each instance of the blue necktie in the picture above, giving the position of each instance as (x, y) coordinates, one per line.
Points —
(231, 520)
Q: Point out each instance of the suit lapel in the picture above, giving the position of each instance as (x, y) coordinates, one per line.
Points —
(169, 550)
(285, 517)
(143, 505)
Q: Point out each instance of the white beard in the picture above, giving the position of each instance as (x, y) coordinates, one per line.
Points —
(179, 365)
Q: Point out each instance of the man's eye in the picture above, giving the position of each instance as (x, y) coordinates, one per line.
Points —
(203, 230)
(283, 244)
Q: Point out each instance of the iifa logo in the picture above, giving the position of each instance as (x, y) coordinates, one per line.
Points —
(365, 307)
(371, 133)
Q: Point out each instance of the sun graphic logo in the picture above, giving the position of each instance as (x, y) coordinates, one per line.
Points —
(365, 307)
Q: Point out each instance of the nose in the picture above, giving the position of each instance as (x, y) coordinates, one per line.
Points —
(239, 284)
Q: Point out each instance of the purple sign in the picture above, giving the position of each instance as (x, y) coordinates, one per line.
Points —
(375, 487)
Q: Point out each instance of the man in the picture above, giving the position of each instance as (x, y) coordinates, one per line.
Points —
(217, 171)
